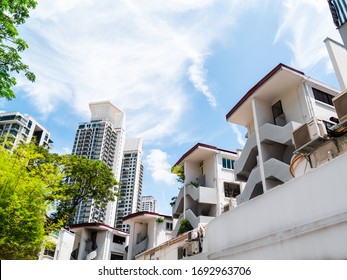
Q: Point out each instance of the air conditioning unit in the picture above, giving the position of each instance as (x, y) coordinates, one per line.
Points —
(340, 104)
(192, 235)
(193, 248)
(310, 135)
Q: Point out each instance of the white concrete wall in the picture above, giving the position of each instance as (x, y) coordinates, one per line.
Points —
(305, 218)
(191, 171)
(64, 245)
(168, 252)
(293, 105)
(162, 234)
(209, 172)
(103, 242)
(338, 57)
(263, 111)
(320, 109)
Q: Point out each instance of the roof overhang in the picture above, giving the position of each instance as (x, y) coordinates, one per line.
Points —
(144, 216)
(200, 152)
(275, 83)
(96, 226)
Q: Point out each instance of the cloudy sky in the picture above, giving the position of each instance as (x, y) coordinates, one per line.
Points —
(176, 67)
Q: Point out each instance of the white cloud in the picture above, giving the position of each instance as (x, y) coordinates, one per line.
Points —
(66, 150)
(138, 54)
(239, 137)
(197, 75)
(159, 167)
(62, 151)
(304, 26)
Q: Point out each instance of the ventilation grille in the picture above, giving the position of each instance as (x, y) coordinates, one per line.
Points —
(301, 136)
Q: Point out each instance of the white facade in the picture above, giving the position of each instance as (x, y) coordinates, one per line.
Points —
(279, 104)
(101, 139)
(16, 128)
(96, 241)
(131, 179)
(305, 218)
(293, 205)
(148, 203)
(212, 171)
(64, 241)
(147, 230)
(338, 57)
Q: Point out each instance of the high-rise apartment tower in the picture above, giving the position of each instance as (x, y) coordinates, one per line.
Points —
(16, 128)
(101, 139)
(148, 203)
(131, 182)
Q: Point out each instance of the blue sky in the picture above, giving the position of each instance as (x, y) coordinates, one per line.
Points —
(176, 68)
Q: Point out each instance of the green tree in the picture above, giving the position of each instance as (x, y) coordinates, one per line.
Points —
(12, 14)
(23, 187)
(33, 181)
(85, 180)
(179, 172)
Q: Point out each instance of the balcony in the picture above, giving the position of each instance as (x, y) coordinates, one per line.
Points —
(276, 173)
(193, 220)
(247, 160)
(201, 195)
(269, 134)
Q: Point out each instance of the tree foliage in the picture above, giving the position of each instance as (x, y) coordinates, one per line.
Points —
(184, 226)
(22, 203)
(12, 14)
(179, 172)
(33, 181)
(85, 180)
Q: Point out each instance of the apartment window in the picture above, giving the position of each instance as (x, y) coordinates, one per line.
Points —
(323, 96)
(118, 239)
(278, 115)
(169, 226)
(15, 126)
(116, 257)
(231, 189)
(180, 253)
(228, 163)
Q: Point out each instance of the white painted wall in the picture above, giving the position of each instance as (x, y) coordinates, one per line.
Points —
(293, 105)
(338, 57)
(209, 172)
(64, 245)
(305, 218)
(191, 171)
